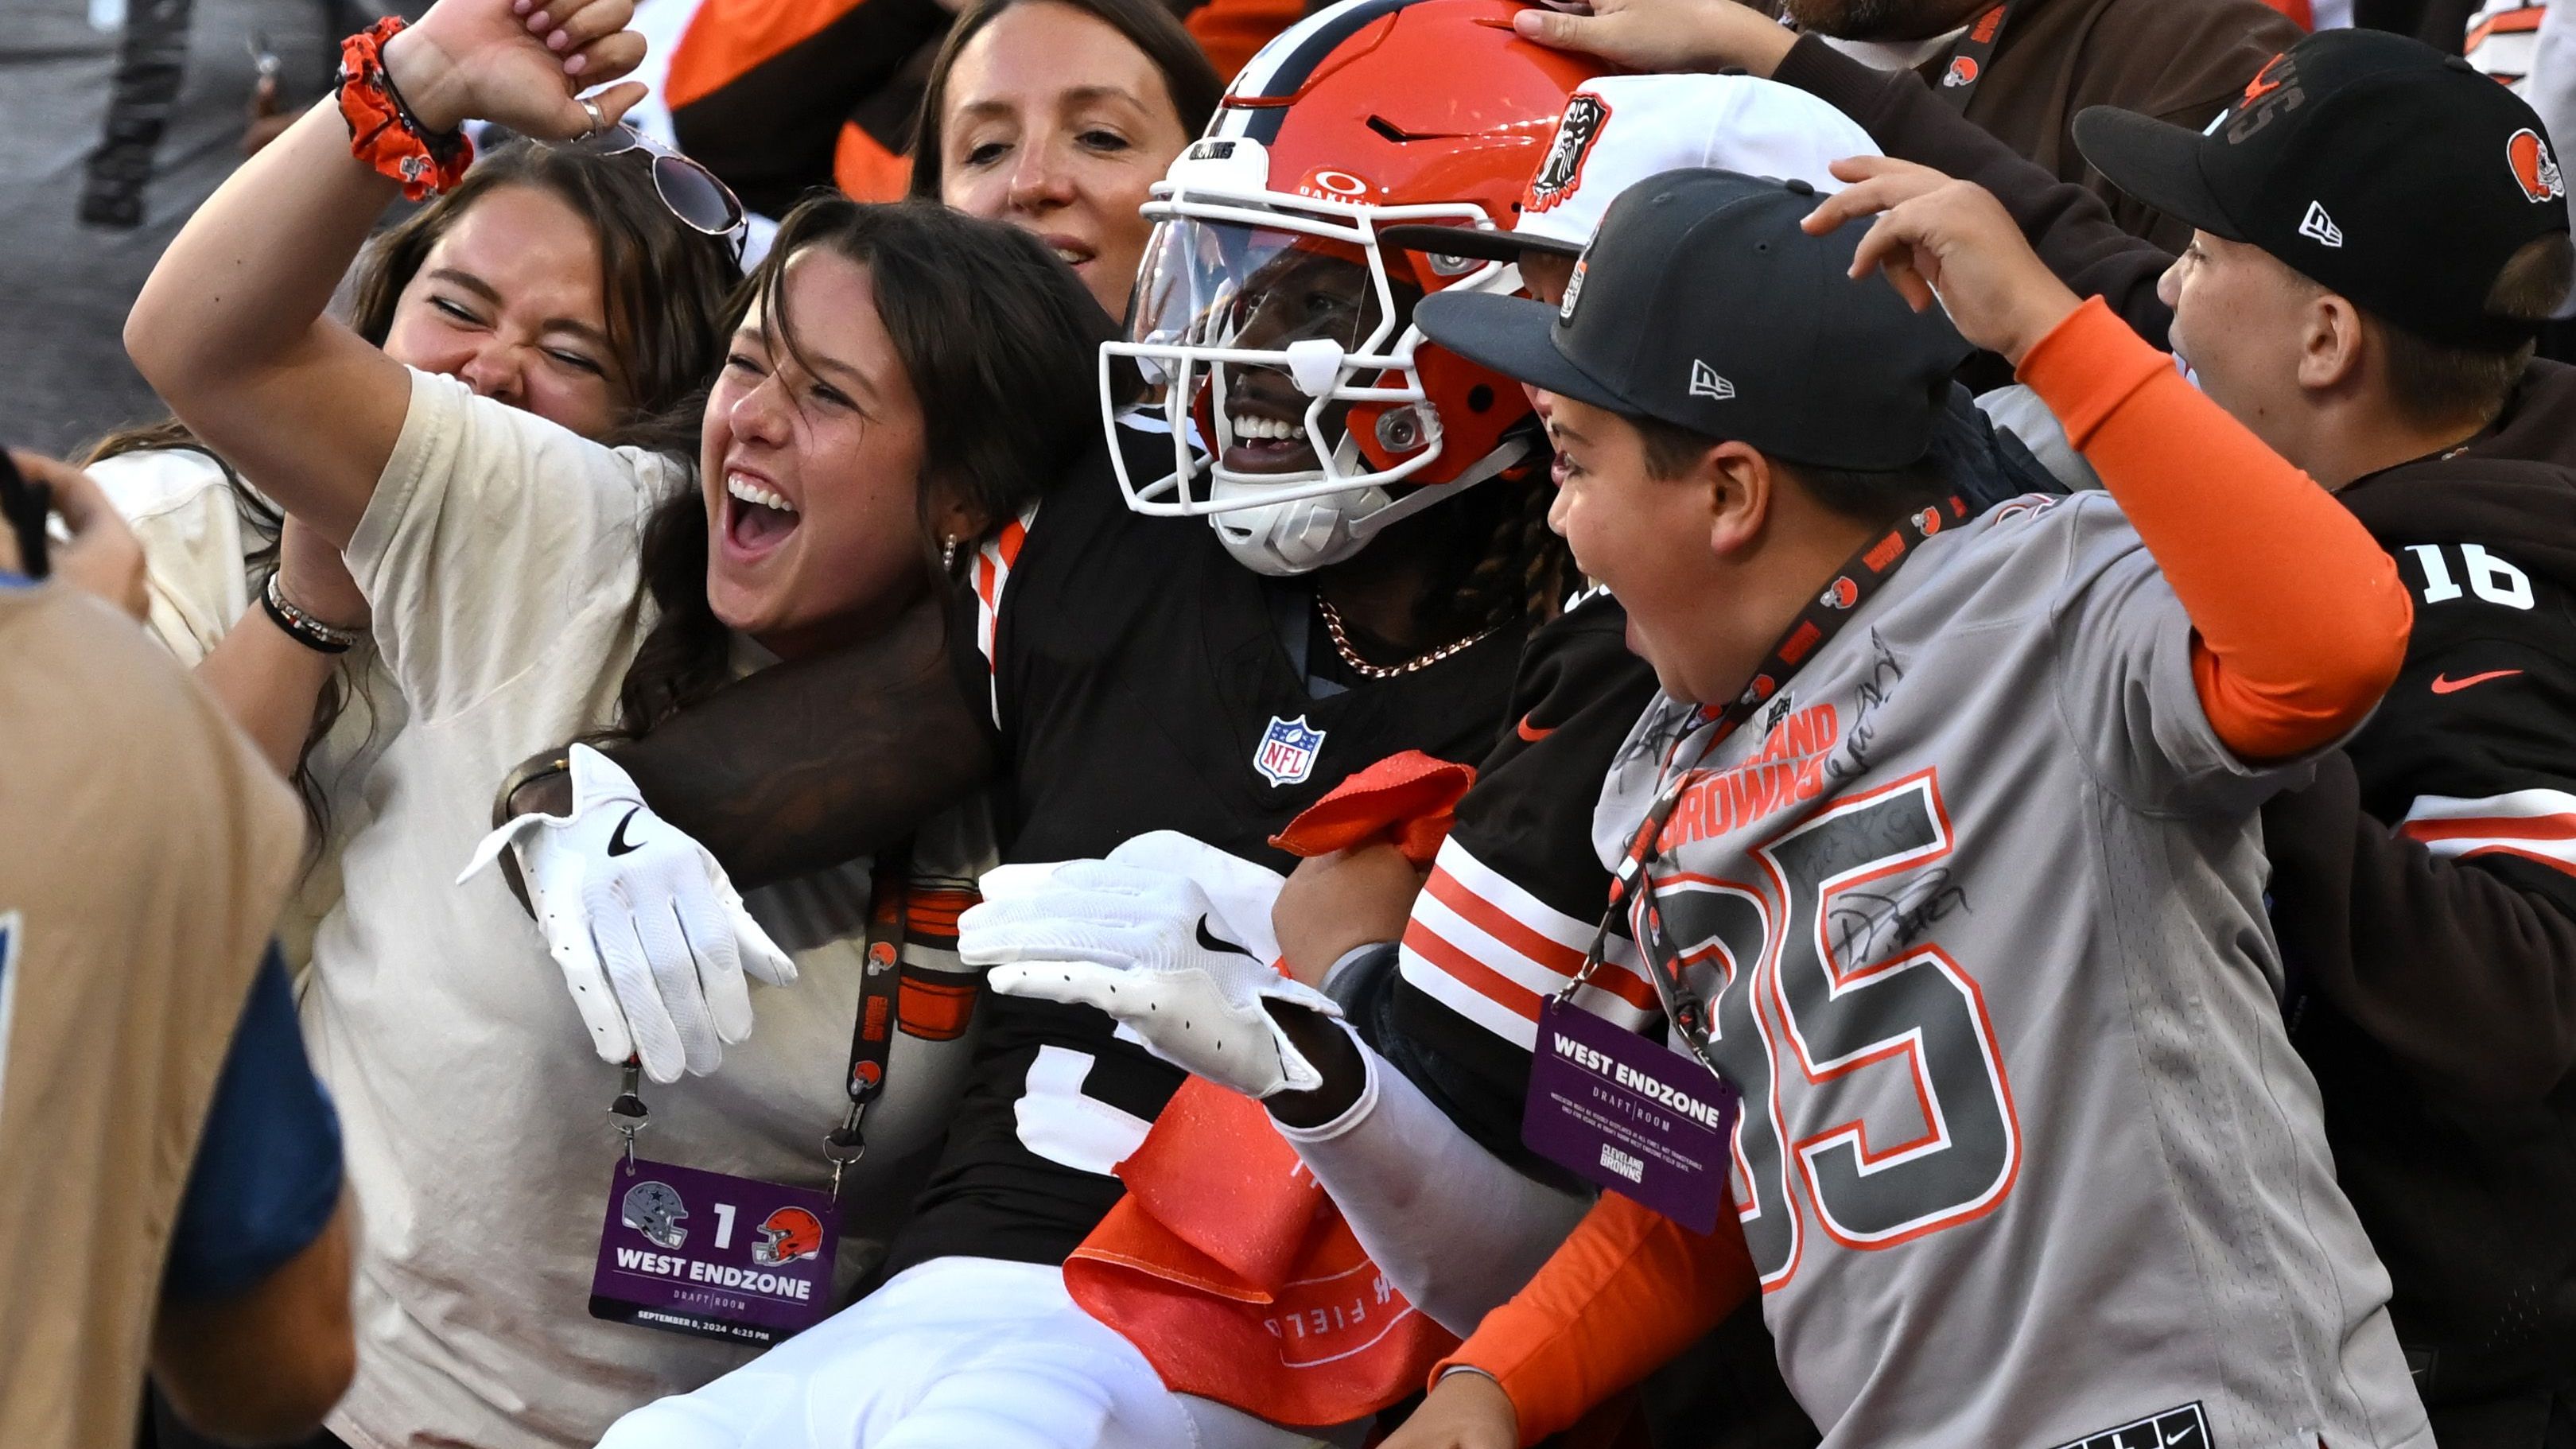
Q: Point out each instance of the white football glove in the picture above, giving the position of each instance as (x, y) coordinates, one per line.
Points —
(1139, 939)
(649, 931)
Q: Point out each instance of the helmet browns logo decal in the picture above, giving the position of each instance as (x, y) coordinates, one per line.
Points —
(1962, 72)
(1929, 520)
(1842, 595)
(1561, 173)
(2534, 168)
(789, 1235)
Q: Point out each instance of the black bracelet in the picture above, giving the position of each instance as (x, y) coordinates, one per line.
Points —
(443, 145)
(302, 627)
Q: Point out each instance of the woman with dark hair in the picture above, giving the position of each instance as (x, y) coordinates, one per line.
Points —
(1058, 116)
(552, 278)
(531, 585)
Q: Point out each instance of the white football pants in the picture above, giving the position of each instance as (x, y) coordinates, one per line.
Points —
(955, 1353)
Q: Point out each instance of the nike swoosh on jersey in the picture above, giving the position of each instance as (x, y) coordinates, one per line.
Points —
(2444, 684)
(1214, 942)
(618, 844)
(1531, 732)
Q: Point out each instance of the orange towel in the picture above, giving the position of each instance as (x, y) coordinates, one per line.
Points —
(1225, 1264)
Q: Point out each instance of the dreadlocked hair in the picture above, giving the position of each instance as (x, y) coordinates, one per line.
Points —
(1519, 570)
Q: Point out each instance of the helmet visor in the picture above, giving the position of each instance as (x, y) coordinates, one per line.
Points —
(1280, 324)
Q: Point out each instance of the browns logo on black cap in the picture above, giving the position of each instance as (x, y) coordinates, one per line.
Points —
(2371, 164)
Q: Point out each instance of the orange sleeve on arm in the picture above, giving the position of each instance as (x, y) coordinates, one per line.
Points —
(1628, 1290)
(2301, 619)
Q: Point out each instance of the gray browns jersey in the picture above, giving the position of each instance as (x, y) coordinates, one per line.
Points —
(2027, 1159)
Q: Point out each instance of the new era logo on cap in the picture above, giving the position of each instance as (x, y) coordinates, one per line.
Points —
(2319, 227)
(1704, 382)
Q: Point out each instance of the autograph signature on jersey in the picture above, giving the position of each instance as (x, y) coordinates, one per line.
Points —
(1869, 926)
(1876, 688)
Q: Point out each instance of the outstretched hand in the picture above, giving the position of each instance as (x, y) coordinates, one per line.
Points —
(1948, 241)
(1663, 36)
(520, 63)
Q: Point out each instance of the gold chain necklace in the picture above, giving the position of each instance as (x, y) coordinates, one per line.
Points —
(1349, 656)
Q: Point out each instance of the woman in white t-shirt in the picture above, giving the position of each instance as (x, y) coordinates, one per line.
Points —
(527, 282)
(904, 379)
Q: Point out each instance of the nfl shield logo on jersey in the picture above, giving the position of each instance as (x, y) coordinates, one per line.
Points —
(1288, 750)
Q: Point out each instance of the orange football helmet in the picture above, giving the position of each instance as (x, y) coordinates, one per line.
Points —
(789, 1235)
(1273, 327)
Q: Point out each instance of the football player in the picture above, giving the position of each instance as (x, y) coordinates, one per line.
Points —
(1124, 672)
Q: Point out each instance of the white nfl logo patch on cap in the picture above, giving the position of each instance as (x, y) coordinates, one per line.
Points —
(1705, 382)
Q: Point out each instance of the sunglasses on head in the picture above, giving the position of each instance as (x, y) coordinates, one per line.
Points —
(691, 192)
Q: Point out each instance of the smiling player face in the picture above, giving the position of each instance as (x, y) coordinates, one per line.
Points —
(1295, 294)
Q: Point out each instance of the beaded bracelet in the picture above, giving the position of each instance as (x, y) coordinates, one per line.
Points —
(383, 132)
(302, 627)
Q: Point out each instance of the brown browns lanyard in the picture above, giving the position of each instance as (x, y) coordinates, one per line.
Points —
(1969, 58)
(872, 1032)
(1861, 576)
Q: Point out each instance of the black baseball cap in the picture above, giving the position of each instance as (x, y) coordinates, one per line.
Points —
(1702, 303)
(2368, 162)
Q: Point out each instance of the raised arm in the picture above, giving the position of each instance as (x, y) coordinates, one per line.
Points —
(2068, 226)
(230, 327)
(2282, 664)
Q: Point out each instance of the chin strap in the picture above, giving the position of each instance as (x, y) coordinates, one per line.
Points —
(1258, 549)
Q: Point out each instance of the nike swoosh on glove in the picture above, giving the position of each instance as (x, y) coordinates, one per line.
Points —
(1148, 947)
(652, 937)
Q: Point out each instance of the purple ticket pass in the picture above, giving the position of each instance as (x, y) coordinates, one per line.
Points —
(721, 1257)
(1630, 1114)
